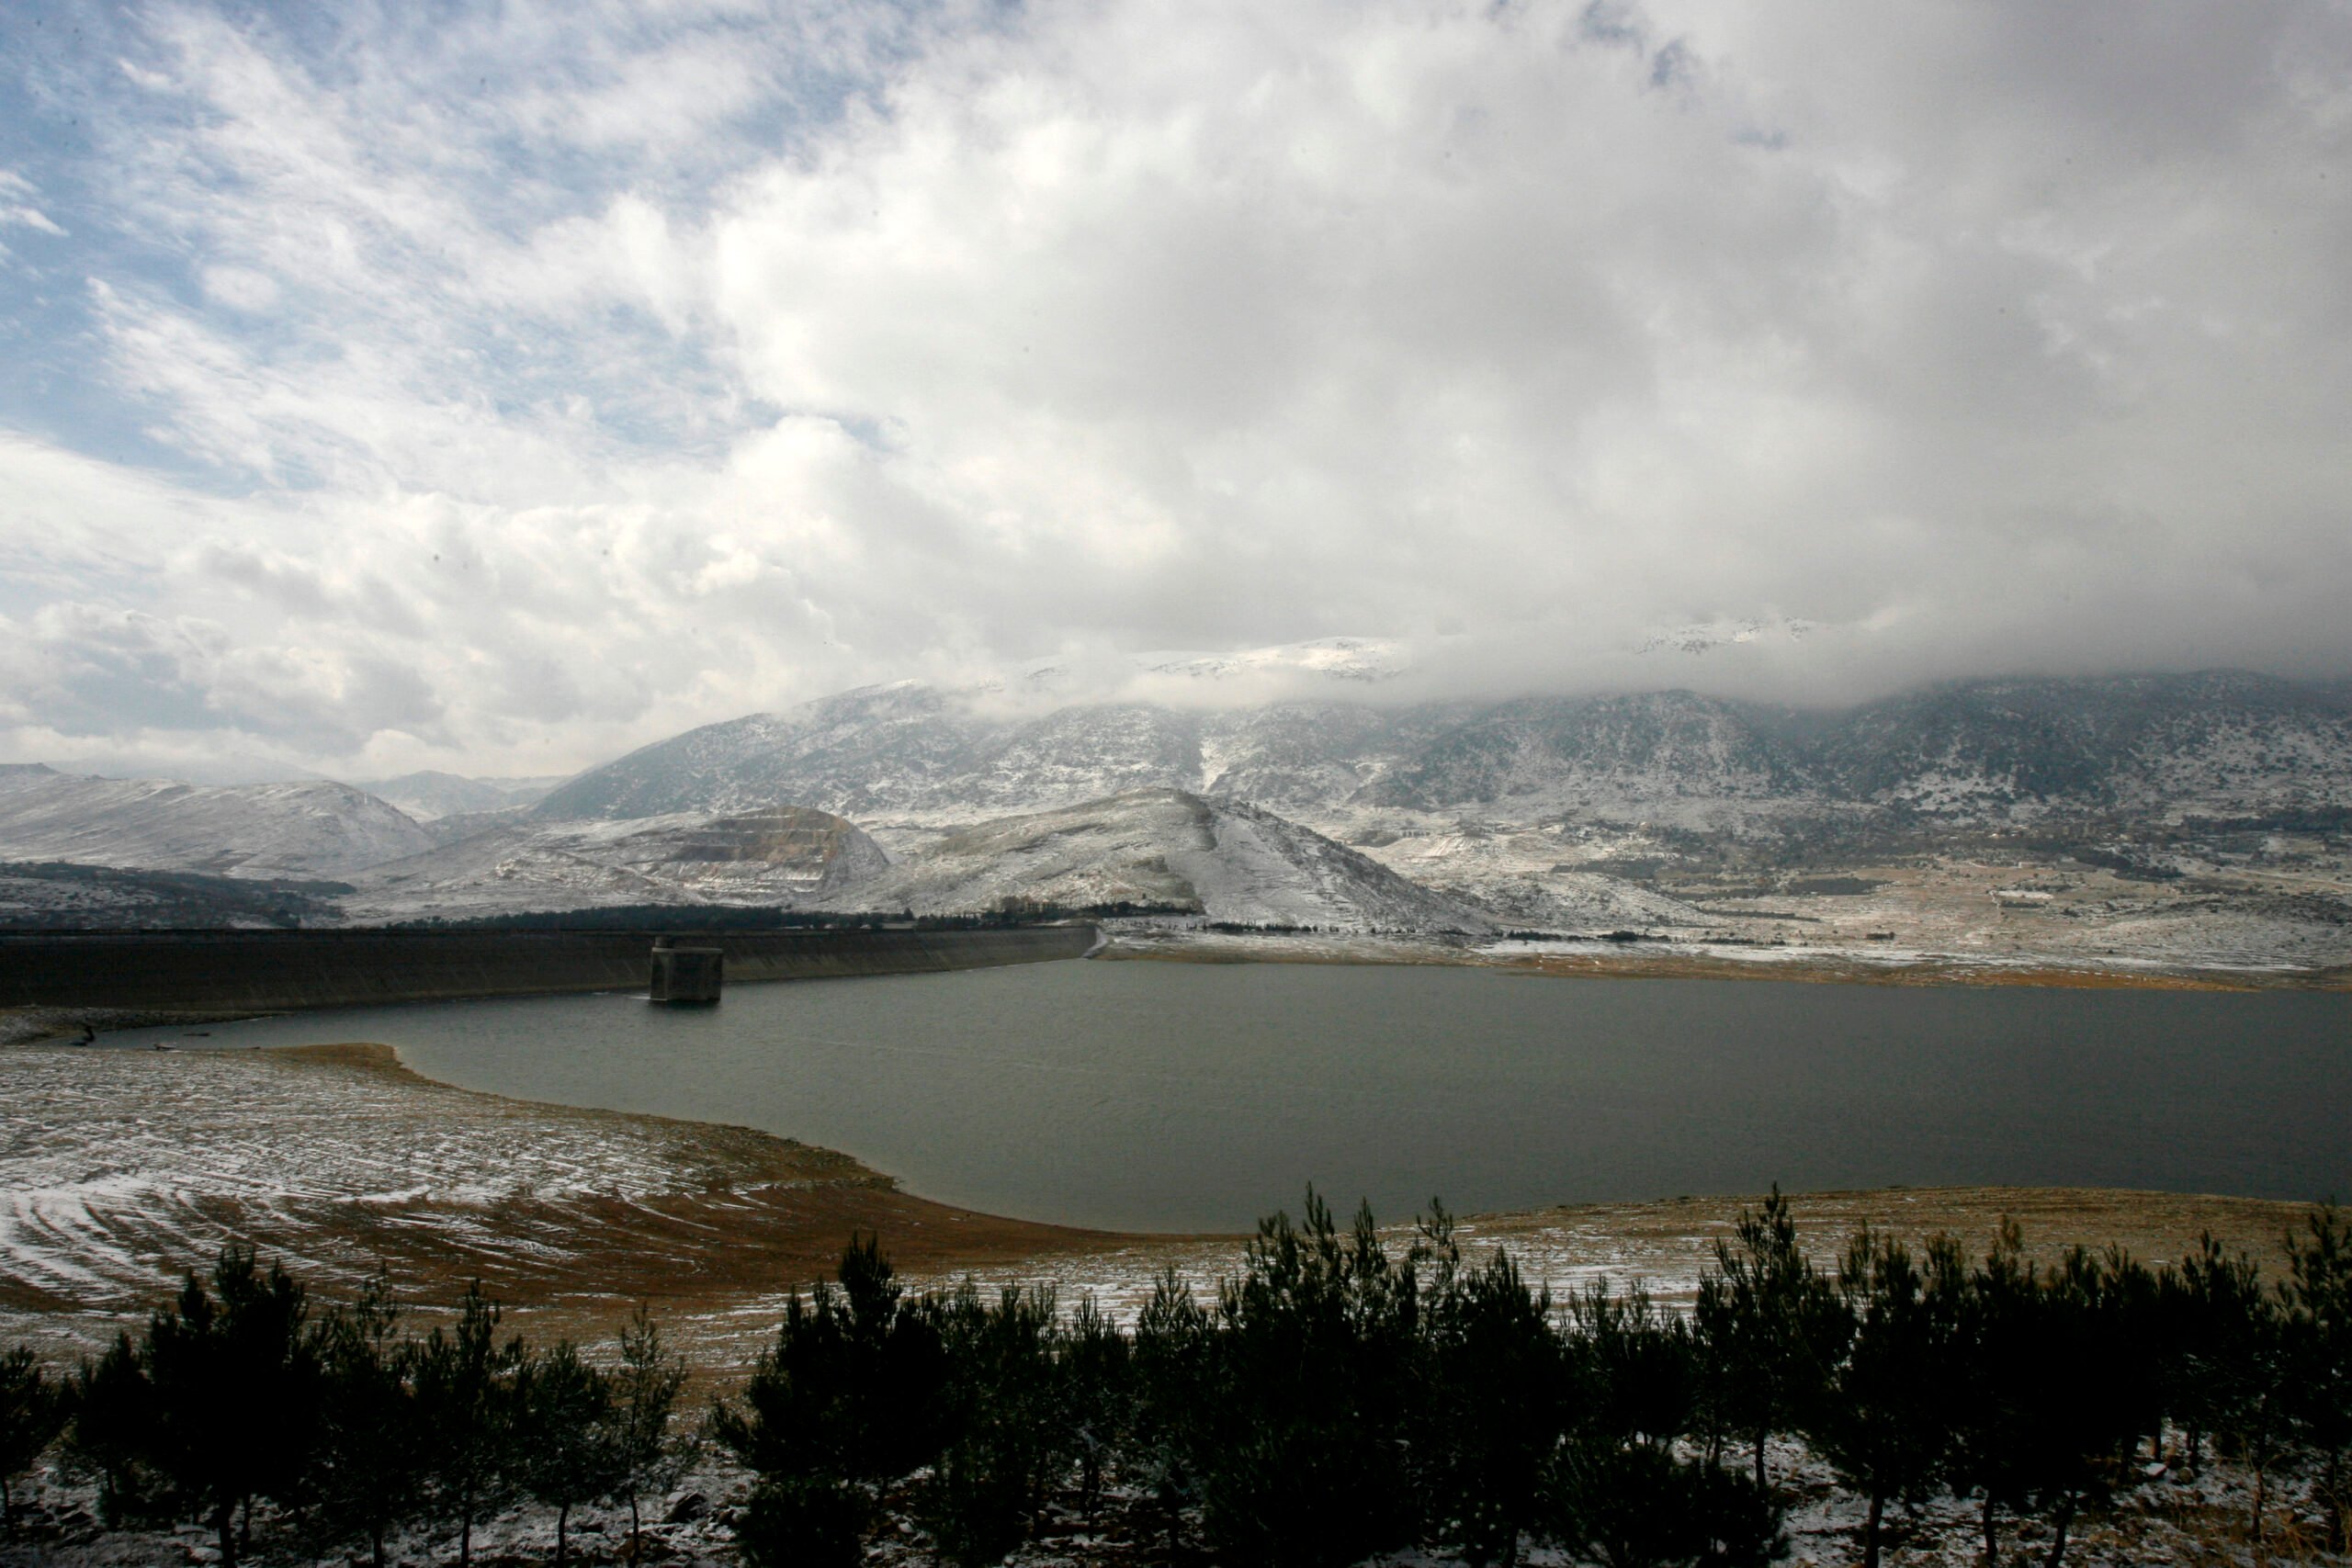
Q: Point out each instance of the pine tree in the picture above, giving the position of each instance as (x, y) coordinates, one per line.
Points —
(369, 1479)
(1174, 1375)
(112, 1432)
(850, 1397)
(34, 1408)
(2319, 1339)
(467, 1400)
(2084, 1373)
(1619, 1490)
(569, 1452)
(1096, 1397)
(1996, 1375)
(1771, 1326)
(1316, 1368)
(645, 1398)
(2221, 1356)
(235, 1385)
(1636, 1505)
(1499, 1403)
(1002, 1424)
(1884, 1422)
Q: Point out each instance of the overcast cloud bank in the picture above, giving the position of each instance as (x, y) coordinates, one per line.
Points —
(411, 389)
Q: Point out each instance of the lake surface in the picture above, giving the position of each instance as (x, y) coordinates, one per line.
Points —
(1196, 1097)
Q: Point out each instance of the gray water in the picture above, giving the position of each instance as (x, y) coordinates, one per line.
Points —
(1196, 1097)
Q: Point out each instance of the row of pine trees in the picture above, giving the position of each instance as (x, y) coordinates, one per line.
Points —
(1341, 1399)
(350, 1430)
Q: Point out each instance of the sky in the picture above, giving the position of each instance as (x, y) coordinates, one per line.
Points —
(498, 387)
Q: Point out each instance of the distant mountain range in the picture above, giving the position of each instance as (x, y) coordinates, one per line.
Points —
(1334, 809)
(428, 797)
(1982, 751)
(314, 829)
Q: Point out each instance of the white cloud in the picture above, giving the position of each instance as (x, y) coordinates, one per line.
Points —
(565, 376)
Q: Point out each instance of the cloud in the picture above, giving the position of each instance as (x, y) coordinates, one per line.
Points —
(550, 379)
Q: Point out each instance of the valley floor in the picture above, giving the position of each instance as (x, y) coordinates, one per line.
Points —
(119, 1169)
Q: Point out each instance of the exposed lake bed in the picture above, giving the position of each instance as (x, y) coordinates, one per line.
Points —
(584, 1151)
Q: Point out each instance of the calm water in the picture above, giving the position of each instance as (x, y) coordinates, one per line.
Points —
(1179, 1096)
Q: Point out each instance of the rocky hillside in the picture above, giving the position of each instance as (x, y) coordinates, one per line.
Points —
(1171, 851)
(1972, 752)
(307, 829)
(783, 856)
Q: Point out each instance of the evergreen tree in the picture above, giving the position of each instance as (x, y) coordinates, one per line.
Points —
(1173, 1374)
(810, 1521)
(851, 1397)
(569, 1452)
(645, 1399)
(114, 1423)
(1771, 1326)
(1001, 1422)
(468, 1401)
(34, 1408)
(2221, 1346)
(1636, 1367)
(1996, 1375)
(369, 1476)
(1096, 1397)
(1499, 1403)
(1619, 1491)
(1885, 1418)
(2082, 1364)
(2319, 1341)
(235, 1386)
(1306, 1459)
(1637, 1505)
(2133, 1305)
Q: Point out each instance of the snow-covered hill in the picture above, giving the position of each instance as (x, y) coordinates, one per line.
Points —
(314, 829)
(782, 856)
(2216, 744)
(1170, 850)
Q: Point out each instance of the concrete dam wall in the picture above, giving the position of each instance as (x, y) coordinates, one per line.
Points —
(273, 971)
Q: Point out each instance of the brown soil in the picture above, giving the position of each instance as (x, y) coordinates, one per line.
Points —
(713, 1224)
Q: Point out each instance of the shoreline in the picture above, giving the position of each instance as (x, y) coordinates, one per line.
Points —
(1650, 960)
(1646, 960)
(572, 1216)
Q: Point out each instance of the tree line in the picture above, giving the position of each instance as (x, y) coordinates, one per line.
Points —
(352, 1430)
(1342, 1397)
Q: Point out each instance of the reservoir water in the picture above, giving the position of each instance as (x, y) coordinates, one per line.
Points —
(1196, 1097)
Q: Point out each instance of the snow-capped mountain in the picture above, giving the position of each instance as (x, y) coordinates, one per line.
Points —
(314, 829)
(1702, 637)
(1544, 755)
(2216, 744)
(1334, 664)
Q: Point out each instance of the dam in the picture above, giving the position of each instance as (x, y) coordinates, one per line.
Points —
(274, 971)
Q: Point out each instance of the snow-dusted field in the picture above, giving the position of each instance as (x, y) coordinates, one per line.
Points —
(118, 1169)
